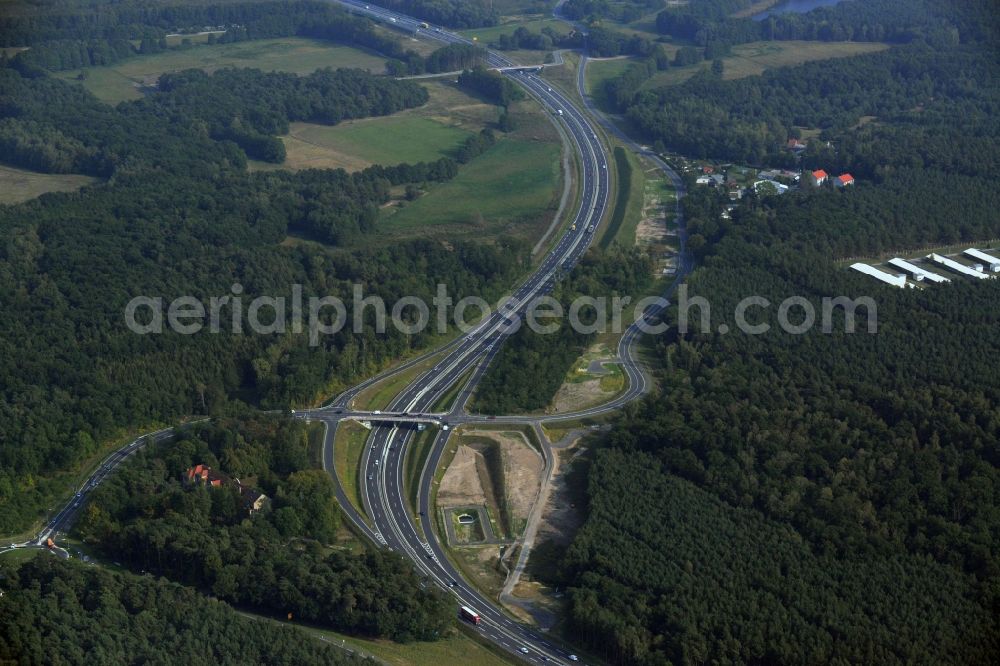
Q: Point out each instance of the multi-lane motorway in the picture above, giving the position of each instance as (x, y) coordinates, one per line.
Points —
(382, 461)
(464, 359)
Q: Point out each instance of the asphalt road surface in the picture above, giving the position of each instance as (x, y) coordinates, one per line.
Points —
(382, 462)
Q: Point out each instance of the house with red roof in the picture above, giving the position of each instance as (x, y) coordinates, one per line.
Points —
(252, 499)
(205, 475)
(818, 177)
(843, 180)
(795, 145)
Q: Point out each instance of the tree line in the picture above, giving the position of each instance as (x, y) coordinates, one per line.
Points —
(450, 58)
(61, 611)
(897, 21)
(460, 14)
(594, 10)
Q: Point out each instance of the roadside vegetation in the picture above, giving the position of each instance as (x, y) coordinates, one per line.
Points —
(348, 447)
(61, 611)
(530, 367)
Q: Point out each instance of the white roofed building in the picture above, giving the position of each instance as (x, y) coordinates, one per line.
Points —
(992, 263)
(882, 276)
(953, 265)
(916, 271)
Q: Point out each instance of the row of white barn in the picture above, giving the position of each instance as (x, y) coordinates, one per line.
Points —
(986, 266)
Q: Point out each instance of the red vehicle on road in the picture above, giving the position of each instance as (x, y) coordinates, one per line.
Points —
(470, 615)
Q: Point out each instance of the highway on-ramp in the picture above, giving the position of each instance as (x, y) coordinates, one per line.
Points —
(382, 482)
(464, 359)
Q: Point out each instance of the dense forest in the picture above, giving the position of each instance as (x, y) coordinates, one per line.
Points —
(898, 21)
(832, 496)
(150, 517)
(54, 611)
(66, 276)
(450, 58)
(665, 572)
(875, 454)
(914, 94)
(530, 367)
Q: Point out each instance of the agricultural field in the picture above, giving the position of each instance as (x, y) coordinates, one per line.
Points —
(513, 189)
(433, 130)
(125, 80)
(354, 145)
(746, 60)
(17, 185)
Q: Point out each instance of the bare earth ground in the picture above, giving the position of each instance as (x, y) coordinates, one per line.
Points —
(461, 484)
(522, 470)
(560, 520)
(467, 478)
(560, 517)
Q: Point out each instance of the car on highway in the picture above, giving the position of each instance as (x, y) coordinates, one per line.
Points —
(523, 649)
(573, 657)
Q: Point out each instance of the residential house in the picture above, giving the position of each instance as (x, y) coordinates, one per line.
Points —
(843, 180)
(203, 474)
(818, 177)
(253, 500)
(795, 145)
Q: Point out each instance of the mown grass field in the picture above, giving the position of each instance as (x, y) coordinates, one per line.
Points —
(508, 189)
(348, 446)
(628, 201)
(756, 57)
(122, 81)
(354, 145)
(599, 71)
(428, 132)
(17, 185)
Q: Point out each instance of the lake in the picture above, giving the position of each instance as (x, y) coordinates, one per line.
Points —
(795, 6)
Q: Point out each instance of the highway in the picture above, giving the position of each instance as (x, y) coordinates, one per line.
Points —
(464, 359)
(382, 462)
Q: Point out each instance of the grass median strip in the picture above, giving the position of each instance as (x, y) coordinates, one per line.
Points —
(349, 444)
